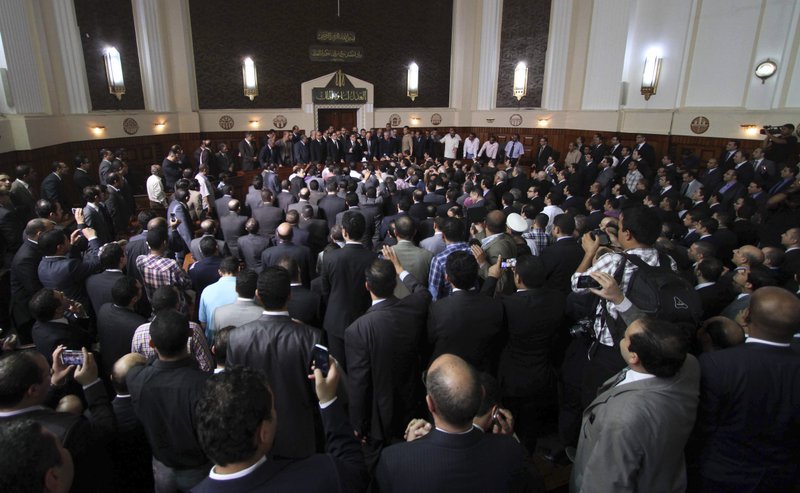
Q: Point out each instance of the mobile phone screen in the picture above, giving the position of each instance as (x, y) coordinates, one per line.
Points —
(320, 355)
(70, 357)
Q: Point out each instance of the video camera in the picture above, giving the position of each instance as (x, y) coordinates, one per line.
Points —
(771, 129)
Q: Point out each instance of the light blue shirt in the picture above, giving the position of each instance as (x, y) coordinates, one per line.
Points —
(222, 292)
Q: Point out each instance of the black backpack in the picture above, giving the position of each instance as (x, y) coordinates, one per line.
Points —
(659, 292)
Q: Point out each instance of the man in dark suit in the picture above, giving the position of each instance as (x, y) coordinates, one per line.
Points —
(267, 215)
(221, 204)
(206, 272)
(275, 344)
(383, 356)
(562, 257)
(25, 277)
(743, 168)
(285, 248)
(747, 423)
(81, 178)
(730, 190)
(117, 321)
(84, 438)
(247, 151)
(713, 177)
(209, 229)
(285, 197)
(465, 323)
(95, 215)
(369, 218)
(726, 158)
(543, 152)
(99, 286)
(53, 185)
(117, 205)
(304, 304)
(317, 148)
(343, 281)
(317, 230)
(331, 204)
(232, 225)
(251, 246)
(22, 195)
(455, 455)
(57, 271)
(180, 211)
(59, 322)
(223, 412)
(646, 151)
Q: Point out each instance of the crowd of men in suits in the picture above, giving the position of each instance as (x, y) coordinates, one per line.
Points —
(405, 255)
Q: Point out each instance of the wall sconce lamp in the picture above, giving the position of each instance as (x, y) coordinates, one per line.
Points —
(98, 130)
(652, 69)
(520, 80)
(254, 123)
(415, 120)
(766, 69)
(543, 122)
(750, 129)
(490, 120)
(413, 81)
(160, 125)
(250, 78)
(116, 82)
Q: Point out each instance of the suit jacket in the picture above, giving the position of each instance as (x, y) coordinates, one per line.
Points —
(383, 348)
(305, 305)
(285, 199)
(185, 227)
(302, 153)
(232, 226)
(318, 151)
(714, 300)
(24, 281)
(237, 313)
(47, 336)
(416, 261)
(300, 254)
(53, 190)
(269, 218)
(369, 219)
(204, 273)
(98, 287)
(339, 470)
(96, 220)
(623, 445)
(747, 422)
(250, 248)
(298, 206)
(329, 207)
(81, 179)
(68, 274)
(343, 286)
(470, 462)
(247, 154)
(282, 348)
(468, 325)
(194, 247)
(434, 244)
(736, 306)
(504, 247)
(172, 173)
(317, 230)
(119, 210)
(560, 261)
(25, 202)
(712, 179)
(115, 328)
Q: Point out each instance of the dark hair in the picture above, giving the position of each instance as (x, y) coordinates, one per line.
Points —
(491, 393)
(43, 304)
(169, 331)
(110, 255)
(229, 265)
(229, 413)
(462, 269)
(710, 268)
(354, 223)
(710, 224)
(541, 220)
(661, 347)
(705, 247)
(453, 229)
(164, 297)
(274, 287)
(90, 193)
(246, 283)
(124, 290)
(717, 330)
(50, 240)
(530, 270)
(596, 203)
(565, 222)
(156, 237)
(457, 405)
(34, 227)
(404, 227)
(44, 208)
(643, 223)
(18, 371)
(221, 337)
(381, 278)
(759, 276)
(27, 452)
(145, 216)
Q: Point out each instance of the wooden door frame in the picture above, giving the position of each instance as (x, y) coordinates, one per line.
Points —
(360, 112)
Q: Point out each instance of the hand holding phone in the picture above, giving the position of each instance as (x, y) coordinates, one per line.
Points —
(71, 357)
(586, 282)
(321, 359)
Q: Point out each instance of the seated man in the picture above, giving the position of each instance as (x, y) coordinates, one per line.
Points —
(237, 404)
(455, 456)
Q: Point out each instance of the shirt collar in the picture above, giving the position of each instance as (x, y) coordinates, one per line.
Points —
(236, 475)
(635, 376)
(375, 302)
(17, 412)
(271, 313)
(703, 285)
(756, 340)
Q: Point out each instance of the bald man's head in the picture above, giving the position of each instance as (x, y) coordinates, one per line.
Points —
(454, 390)
(122, 367)
(233, 205)
(774, 314)
(748, 255)
(284, 232)
(209, 226)
(156, 222)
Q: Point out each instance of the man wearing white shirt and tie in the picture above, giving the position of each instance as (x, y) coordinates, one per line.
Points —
(514, 150)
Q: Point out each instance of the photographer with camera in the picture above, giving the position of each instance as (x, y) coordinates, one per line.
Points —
(779, 143)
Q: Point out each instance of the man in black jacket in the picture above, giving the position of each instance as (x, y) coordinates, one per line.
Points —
(562, 257)
(68, 274)
(116, 321)
(240, 403)
(98, 286)
(304, 304)
(281, 347)
(25, 277)
(285, 248)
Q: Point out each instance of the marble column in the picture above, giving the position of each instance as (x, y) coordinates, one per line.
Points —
(29, 94)
(152, 60)
(71, 53)
(555, 65)
(491, 24)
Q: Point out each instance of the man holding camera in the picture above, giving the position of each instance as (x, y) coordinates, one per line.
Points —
(779, 143)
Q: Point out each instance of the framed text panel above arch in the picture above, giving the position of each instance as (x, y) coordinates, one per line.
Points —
(526, 24)
(109, 23)
(373, 42)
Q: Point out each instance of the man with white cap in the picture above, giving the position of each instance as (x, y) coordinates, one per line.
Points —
(517, 225)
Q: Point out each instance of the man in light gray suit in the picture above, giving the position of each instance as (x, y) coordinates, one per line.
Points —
(634, 432)
(209, 228)
(244, 309)
(416, 260)
(434, 244)
(304, 196)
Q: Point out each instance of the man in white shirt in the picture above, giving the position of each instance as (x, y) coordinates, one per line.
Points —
(206, 190)
(471, 146)
(514, 150)
(451, 142)
(155, 190)
(489, 149)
